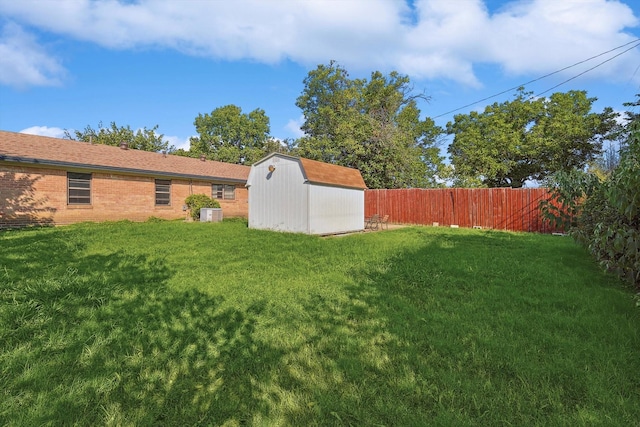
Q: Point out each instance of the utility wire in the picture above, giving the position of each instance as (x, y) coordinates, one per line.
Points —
(637, 41)
(590, 69)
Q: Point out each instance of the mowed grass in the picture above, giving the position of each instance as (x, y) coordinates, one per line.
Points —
(176, 323)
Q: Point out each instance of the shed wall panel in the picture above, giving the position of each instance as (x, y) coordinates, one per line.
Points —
(278, 200)
(335, 210)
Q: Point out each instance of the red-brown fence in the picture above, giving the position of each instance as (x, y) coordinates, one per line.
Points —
(496, 208)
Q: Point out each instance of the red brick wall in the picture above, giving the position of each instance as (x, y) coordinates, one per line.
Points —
(39, 196)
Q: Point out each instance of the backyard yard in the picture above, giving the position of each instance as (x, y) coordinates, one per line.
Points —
(174, 323)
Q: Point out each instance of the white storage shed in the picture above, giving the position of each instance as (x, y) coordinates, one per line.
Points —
(299, 195)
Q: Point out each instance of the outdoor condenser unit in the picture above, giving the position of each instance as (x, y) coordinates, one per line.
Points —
(210, 215)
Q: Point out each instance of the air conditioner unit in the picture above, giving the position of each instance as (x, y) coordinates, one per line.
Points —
(210, 214)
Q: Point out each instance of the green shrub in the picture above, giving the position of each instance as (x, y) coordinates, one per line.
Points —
(604, 216)
(195, 202)
(568, 191)
(616, 240)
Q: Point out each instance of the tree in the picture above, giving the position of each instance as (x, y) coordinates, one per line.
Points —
(527, 139)
(617, 141)
(228, 135)
(373, 126)
(143, 139)
(622, 131)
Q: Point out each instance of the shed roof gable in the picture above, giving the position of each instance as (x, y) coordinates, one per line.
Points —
(325, 173)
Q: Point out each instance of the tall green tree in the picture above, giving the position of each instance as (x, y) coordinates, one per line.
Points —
(527, 139)
(142, 139)
(618, 141)
(622, 132)
(228, 135)
(373, 125)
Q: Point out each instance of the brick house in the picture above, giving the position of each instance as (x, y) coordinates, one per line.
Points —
(55, 181)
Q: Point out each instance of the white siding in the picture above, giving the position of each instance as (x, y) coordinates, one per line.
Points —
(335, 210)
(281, 200)
(278, 200)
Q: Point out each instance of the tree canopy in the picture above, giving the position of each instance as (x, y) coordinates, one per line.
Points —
(228, 135)
(142, 139)
(372, 125)
(527, 139)
(622, 131)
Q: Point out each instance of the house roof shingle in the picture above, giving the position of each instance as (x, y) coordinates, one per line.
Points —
(47, 151)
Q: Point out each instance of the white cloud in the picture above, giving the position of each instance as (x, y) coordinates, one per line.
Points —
(44, 131)
(621, 117)
(430, 39)
(545, 35)
(446, 40)
(293, 126)
(178, 142)
(23, 62)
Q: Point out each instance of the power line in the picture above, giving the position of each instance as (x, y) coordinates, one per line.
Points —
(636, 41)
(590, 69)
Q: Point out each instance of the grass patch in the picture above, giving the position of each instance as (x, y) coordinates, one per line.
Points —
(172, 323)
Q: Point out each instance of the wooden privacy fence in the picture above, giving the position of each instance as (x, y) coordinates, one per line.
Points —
(497, 208)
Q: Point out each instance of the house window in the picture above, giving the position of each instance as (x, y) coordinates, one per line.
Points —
(221, 191)
(163, 192)
(78, 188)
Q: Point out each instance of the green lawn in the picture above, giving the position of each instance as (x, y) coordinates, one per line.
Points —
(173, 323)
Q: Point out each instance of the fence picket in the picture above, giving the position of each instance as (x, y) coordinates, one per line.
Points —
(514, 209)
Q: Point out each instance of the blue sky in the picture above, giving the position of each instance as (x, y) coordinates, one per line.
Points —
(66, 64)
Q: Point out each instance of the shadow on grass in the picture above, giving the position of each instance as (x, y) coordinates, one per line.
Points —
(448, 334)
(379, 351)
(106, 342)
(417, 339)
